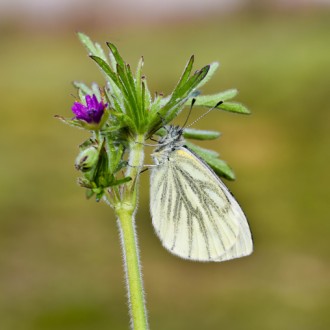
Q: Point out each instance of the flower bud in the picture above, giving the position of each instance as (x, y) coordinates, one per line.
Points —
(87, 159)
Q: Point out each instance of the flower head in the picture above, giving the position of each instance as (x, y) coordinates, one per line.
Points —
(92, 112)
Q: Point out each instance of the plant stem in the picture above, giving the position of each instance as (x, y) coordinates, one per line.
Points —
(125, 212)
(133, 272)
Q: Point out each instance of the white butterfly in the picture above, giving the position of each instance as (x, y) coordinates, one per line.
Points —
(193, 213)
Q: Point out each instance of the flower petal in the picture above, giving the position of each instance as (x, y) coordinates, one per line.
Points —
(92, 112)
(78, 109)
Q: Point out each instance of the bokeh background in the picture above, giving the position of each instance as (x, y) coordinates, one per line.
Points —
(60, 260)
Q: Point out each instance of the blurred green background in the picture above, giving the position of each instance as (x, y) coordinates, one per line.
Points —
(60, 260)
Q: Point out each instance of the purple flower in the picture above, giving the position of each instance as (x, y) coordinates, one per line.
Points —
(92, 112)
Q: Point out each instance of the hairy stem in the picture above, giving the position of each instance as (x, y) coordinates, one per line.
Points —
(125, 212)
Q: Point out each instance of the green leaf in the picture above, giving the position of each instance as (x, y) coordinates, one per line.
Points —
(181, 94)
(219, 166)
(179, 98)
(114, 104)
(128, 88)
(142, 94)
(210, 101)
(186, 73)
(71, 122)
(93, 48)
(114, 153)
(96, 91)
(125, 83)
(113, 62)
(114, 96)
(82, 87)
(158, 101)
(105, 68)
(190, 133)
(121, 181)
(147, 95)
(142, 98)
(89, 193)
(202, 152)
(116, 54)
(234, 107)
(131, 83)
(139, 85)
(84, 90)
(185, 89)
(213, 67)
(87, 42)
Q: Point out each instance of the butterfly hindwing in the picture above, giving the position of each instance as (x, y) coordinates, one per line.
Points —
(193, 213)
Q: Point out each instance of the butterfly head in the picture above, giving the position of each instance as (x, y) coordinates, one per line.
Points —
(172, 139)
(168, 143)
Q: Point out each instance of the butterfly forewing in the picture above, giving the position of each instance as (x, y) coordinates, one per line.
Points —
(193, 213)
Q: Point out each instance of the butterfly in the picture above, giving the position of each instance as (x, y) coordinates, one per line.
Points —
(193, 213)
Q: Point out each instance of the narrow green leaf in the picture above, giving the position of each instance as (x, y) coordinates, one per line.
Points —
(89, 193)
(100, 52)
(114, 95)
(190, 133)
(190, 84)
(161, 132)
(114, 98)
(163, 116)
(219, 166)
(178, 99)
(131, 83)
(82, 96)
(116, 54)
(113, 62)
(71, 122)
(128, 86)
(93, 48)
(213, 67)
(82, 87)
(186, 73)
(140, 90)
(202, 152)
(210, 101)
(234, 107)
(158, 102)
(87, 42)
(123, 81)
(222, 169)
(121, 181)
(143, 97)
(96, 91)
(113, 82)
(130, 123)
(105, 68)
(138, 73)
(114, 154)
(148, 98)
(129, 76)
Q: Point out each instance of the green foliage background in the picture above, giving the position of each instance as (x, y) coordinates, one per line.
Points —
(60, 262)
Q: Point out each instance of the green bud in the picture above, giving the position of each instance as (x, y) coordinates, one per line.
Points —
(87, 159)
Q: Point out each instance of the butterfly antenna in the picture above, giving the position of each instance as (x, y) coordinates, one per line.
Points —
(204, 114)
(191, 106)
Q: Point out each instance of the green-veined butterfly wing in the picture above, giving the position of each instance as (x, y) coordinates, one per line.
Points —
(193, 213)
